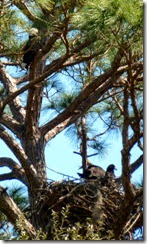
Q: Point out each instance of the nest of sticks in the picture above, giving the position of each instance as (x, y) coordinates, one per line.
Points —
(86, 199)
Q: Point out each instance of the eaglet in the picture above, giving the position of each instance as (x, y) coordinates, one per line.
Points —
(94, 172)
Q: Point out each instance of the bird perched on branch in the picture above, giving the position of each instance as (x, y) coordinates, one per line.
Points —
(31, 48)
(94, 172)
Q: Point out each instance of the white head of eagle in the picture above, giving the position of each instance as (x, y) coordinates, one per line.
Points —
(31, 48)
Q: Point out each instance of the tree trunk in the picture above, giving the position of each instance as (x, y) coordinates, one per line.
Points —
(33, 143)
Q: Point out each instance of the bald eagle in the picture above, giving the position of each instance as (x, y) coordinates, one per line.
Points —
(94, 172)
(31, 48)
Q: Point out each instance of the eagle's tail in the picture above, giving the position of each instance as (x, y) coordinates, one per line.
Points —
(81, 175)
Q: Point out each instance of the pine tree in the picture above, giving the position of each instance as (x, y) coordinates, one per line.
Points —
(98, 45)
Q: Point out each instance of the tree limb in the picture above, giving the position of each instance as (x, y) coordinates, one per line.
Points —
(13, 145)
(9, 176)
(22, 157)
(17, 171)
(133, 140)
(133, 167)
(10, 163)
(15, 104)
(14, 214)
(22, 79)
(11, 124)
(126, 176)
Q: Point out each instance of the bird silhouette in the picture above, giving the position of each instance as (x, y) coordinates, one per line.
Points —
(94, 172)
(32, 46)
(110, 171)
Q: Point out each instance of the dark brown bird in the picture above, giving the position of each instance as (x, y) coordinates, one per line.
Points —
(31, 48)
(110, 171)
(94, 172)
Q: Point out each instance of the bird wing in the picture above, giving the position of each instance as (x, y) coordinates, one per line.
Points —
(81, 175)
(97, 171)
(89, 163)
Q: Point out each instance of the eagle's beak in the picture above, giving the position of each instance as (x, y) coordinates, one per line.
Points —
(115, 168)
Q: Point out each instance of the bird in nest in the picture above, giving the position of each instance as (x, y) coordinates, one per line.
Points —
(94, 172)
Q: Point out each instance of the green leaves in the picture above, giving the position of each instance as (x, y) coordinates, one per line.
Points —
(109, 11)
(104, 18)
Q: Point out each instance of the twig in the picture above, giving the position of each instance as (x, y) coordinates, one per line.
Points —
(134, 222)
(94, 154)
(62, 174)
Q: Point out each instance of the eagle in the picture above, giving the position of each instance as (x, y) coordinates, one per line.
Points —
(31, 48)
(94, 172)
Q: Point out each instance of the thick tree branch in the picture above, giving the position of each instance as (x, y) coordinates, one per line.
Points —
(15, 104)
(11, 124)
(48, 45)
(22, 79)
(133, 140)
(14, 214)
(130, 193)
(10, 163)
(13, 145)
(21, 156)
(17, 171)
(126, 176)
(133, 167)
(33, 106)
(10, 176)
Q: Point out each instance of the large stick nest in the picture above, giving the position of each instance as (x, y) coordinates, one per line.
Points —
(86, 199)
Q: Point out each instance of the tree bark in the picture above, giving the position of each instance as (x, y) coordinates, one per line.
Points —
(14, 214)
(33, 142)
(83, 142)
